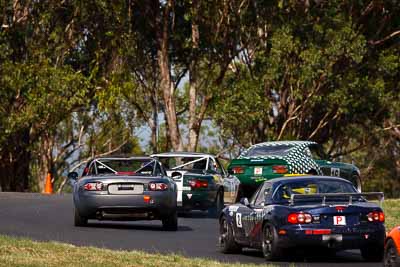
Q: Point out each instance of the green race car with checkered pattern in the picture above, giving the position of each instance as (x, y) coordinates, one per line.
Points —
(269, 160)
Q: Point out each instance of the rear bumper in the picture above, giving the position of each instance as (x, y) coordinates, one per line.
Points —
(201, 200)
(340, 239)
(125, 207)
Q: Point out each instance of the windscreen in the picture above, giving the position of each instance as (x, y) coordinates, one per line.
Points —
(286, 190)
(123, 166)
(184, 163)
(280, 150)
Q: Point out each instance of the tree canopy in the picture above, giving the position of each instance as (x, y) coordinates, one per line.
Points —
(86, 78)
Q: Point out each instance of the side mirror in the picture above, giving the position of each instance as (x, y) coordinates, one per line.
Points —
(244, 201)
(73, 177)
(176, 176)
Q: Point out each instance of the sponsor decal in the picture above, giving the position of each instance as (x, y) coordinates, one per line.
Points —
(233, 208)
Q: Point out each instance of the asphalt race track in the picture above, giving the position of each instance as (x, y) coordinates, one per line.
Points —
(43, 217)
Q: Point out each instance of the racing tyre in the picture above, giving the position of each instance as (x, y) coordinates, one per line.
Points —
(226, 240)
(372, 253)
(170, 223)
(79, 220)
(392, 258)
(269, 245)
(215, 211)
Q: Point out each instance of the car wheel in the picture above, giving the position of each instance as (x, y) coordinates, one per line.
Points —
(170, 223)
(392, 258)
(79, 220)
(215, 211)
(372, 253)
(226, 240)
(269, 243)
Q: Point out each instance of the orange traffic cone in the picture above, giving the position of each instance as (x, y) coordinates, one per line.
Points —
(48, 188)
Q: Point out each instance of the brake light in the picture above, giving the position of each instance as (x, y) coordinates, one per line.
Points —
(299, 218)
(97, 186)
(340, 208)
(279, 169)
(198, 183)
(238, 170)
(158, 186)
(376, 216)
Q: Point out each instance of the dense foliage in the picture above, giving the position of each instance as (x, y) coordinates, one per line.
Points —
(86, 78)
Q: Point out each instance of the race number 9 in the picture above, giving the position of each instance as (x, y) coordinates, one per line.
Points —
(239, 220)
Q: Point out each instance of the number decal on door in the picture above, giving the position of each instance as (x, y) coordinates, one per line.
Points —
(239, 220)
(335, 172)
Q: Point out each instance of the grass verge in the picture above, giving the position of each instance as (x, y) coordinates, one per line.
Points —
(23, 252)
(391, 208)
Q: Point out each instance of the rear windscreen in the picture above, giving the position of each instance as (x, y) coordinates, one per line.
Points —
(286, 190)
(280, 150)
(123, 166)
(184, 163)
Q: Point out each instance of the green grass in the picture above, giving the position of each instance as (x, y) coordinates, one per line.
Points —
(24, 252)
(391, 208)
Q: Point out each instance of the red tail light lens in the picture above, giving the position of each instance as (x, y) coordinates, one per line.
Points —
(376, 216)
(198, 183)
(96, 186)
(146, 199)
(340, 208)
(238, 170)
(281, 169)
(299, 218)
(158, 186)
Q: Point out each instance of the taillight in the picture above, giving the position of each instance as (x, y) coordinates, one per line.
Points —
(96, 186)
(299, 218)
(340, 208)
(279, 169)
(238, 170)
(158, 186)
(376, 216)
(198, 183)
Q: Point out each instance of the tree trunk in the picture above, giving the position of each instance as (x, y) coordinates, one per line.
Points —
(154, 122)
(194, 124)
(166, 84)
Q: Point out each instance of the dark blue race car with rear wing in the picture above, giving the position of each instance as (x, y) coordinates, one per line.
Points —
(306, 211)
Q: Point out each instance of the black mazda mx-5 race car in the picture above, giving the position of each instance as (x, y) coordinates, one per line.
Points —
(305, 211)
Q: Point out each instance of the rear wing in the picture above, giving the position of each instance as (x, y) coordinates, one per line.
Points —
(327, 196)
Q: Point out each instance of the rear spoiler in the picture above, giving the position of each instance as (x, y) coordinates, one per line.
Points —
(325, 196)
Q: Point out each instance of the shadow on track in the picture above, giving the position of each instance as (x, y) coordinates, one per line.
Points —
(195, 214)
(129, 226)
